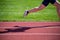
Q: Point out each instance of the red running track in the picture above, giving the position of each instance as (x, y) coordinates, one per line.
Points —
(47, 33)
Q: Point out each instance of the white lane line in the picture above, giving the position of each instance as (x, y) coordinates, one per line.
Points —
(31, 34)
(36, 27)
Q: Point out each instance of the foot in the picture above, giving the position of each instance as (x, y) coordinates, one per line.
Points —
(26, 13)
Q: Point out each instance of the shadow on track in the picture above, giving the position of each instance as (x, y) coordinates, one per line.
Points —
(23, 29)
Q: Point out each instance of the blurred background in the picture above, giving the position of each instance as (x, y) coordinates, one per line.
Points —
(13, 10)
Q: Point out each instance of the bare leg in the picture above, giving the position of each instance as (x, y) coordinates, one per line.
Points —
(57, 4)
(37, 8)
(42, 6)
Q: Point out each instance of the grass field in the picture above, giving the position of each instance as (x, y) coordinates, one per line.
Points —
(13, 10)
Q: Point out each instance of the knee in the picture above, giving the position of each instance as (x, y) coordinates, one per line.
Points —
(57, 4)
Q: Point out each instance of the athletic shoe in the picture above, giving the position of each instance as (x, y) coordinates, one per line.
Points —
(26, 13)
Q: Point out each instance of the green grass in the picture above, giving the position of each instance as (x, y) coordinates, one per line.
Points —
(11, 10)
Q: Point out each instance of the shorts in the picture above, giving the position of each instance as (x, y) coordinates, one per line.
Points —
(46, 2)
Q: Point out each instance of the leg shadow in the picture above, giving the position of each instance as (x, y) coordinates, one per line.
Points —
(19, 29)
(23, 29)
